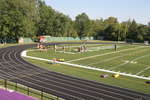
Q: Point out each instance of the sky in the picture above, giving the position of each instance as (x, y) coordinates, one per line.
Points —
(96, 9)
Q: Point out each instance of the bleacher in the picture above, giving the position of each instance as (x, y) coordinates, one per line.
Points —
(12, 95)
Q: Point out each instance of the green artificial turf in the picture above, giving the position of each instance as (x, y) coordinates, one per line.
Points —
(122, 60)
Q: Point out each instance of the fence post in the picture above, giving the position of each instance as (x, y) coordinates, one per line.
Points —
(16, 86)
(5, 84)
(28, 91)
(41, 95)
(57, 98)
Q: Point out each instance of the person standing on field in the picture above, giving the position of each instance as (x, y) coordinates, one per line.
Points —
(115, 47)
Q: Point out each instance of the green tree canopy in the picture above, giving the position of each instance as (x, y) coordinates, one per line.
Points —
(18, 18)
(28, 18)
(83, 25)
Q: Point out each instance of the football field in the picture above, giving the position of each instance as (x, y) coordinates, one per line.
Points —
(133, 61)
(130, 59)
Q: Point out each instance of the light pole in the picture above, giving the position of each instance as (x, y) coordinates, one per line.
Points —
(119, 32)
(125, 32)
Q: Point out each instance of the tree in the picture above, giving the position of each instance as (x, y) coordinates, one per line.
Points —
(72, 31)
(61, 24)
(124, 30)
(17, 18)
(83, 25)
(45, 25)
(112, 29)
(28, 18)
(142, 32)
(132, 33)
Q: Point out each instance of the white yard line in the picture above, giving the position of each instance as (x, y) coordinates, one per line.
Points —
(111, 58)
(118, 65)
(86, 67)
(104, 54)
(141, 57)
(66, 52)
(80, 46)
(143, 70)
(90, 49)
(129, 61)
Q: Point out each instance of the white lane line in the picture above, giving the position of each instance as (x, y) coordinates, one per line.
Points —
(45, 79)
(87, 67)
(75, 91)
(12, 76)
(73, 83)
(143, 70)
(105, 54)
(69, 90)
(86, 85)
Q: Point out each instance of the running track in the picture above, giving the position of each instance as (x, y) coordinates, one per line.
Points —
(15, 69)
